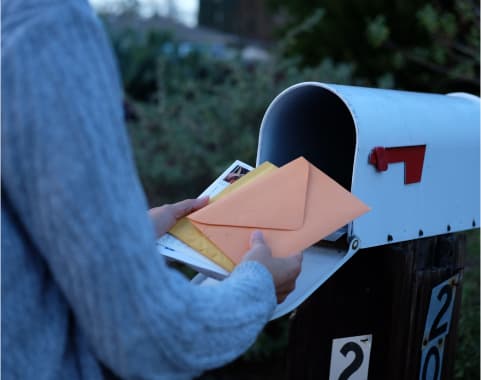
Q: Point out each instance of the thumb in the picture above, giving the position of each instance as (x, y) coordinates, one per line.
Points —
(257, 239)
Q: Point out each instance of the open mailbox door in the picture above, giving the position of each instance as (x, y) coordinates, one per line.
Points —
(412, 157)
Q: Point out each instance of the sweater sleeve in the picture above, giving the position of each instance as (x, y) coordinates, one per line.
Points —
(68, 171)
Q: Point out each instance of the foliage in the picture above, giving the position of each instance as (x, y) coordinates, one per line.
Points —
(137, 54)
(421, 45)
(204, 114)
(467, 355)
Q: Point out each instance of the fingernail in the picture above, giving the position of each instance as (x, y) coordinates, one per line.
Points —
(257, 235)
(203, 198)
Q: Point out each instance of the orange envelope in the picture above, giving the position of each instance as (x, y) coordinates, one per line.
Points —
(294, 206)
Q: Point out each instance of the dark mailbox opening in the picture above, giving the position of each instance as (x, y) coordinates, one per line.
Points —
(313, 122)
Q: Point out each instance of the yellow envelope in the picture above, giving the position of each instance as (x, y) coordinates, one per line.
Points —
(185, 231)
(294, 206)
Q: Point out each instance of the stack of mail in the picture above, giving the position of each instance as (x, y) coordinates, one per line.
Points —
(294, 206)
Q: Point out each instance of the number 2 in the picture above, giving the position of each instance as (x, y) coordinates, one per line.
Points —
(356, 362)
(437, 330)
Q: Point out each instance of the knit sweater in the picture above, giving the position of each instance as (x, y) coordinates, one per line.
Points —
(82, 284)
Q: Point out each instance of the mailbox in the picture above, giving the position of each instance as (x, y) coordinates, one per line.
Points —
(414, 159)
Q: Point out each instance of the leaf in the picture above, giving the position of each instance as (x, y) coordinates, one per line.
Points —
(377, 31)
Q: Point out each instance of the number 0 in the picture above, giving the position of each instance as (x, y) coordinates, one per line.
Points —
(434, 353)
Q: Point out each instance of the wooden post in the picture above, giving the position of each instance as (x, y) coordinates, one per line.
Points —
(384, 292)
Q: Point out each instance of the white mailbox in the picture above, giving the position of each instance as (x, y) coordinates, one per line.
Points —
(412, 157)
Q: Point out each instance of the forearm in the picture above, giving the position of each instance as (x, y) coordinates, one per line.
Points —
(198, 328)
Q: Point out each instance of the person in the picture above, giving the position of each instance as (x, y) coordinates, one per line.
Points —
(85, 295)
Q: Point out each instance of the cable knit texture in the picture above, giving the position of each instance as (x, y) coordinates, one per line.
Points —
(82, 282)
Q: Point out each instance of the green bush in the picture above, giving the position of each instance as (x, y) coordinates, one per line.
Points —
(198, 125)
(419, 45)
(467, 353)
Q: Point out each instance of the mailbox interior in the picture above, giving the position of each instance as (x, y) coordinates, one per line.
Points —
(310, 121)
(313, 122)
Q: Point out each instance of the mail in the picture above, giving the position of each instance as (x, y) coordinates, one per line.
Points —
(294, 206)
(185, 230)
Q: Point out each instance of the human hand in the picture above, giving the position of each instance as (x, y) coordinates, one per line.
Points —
(164, 217)
(284, 270)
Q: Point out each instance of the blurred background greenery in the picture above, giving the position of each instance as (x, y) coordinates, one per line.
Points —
(195, 96)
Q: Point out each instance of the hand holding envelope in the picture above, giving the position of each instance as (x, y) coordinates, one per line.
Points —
(185, 230)
(294, 206)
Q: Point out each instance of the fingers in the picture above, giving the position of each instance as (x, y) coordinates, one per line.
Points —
(284, 270)
(164, 217)
(281, 297)
(186, 206)
(283, 292)
(296, 259)
(293, 263)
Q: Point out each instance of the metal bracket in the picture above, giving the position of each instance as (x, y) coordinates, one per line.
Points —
(354, 246)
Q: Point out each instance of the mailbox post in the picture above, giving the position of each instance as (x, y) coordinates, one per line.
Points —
(391, 309)
(376, 306)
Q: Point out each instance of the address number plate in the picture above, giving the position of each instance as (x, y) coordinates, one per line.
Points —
(438, 323)
(350, 358)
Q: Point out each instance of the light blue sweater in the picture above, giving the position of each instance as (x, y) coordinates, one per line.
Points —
(82, 283)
